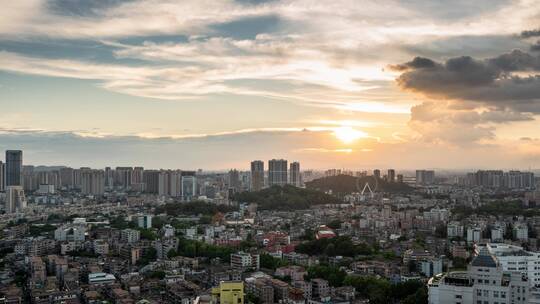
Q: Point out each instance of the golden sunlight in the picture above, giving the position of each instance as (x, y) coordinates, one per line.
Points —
(348, 135)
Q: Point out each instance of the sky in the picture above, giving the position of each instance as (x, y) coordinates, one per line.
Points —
(214, 84)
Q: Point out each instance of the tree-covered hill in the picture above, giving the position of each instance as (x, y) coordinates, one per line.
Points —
(346, 184)
(286, 198)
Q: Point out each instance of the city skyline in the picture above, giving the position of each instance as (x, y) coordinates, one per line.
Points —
(351, 84)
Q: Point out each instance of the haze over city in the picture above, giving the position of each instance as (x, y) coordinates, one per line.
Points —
(270, 151)
(215, 84)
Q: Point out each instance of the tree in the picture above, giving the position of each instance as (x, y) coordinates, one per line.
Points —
(335, 224)
(172, 253)
(270, 262)
(148, 256)
(330, 250)
(441, 231)
(158, 222)
(158, 274)
(286, 198)
(334, 275)
(252, 299)
(147, 234)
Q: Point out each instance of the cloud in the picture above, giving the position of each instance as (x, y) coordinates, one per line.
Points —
(510, 80)
(236, 150)
(536, 47)
(324, 150)
(416, 63)
(466, 98)
(530, 33)
(227, 44)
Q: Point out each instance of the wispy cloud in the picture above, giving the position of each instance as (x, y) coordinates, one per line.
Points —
(328, 54)
(324, 150)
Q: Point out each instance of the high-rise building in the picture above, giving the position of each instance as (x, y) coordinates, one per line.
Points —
(66, 178)
(77, 177)
(377, 173)
(92, 182)
(124, 177)
(169, 183)
(109, 178)
(294, 174)
(2, 173)
(257, 175)
(425, 177)
(277, 172)
(137, 176)
(391, 175)
(189, 185)
(500, 179)
(15, 199)
(29, 179)
(14, 162)
(137, 182)
(234, 180)
(144, 221)
(151, 181)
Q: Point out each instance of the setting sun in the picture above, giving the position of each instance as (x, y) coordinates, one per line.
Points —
(348, 134)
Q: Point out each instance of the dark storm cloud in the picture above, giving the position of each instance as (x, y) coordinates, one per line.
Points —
(530, 33)
(491, 81)
(516, 61)
(416, 63)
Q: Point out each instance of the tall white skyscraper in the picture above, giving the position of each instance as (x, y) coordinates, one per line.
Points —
(277, 172)
(294, 174)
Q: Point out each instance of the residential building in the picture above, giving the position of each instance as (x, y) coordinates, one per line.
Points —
(13, 168)
(15, 199)
(391, 175)
(92, 182)
(243, 260)
(189, 185)
(277, 172)
(257, 175)
(515, 258)
(130, 236)
(485, 281)
(295, 177)
(144, 221)
(231, 292)
(425, 177)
